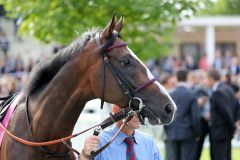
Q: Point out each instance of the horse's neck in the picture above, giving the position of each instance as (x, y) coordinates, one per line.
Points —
(58, 107)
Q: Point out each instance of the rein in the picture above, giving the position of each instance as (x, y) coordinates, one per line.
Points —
(40, 144)
(123, 113)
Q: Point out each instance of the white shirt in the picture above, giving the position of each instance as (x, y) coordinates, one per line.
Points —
(215, 86)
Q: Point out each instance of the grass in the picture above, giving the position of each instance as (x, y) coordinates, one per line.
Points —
(206, 153)
(235, 154)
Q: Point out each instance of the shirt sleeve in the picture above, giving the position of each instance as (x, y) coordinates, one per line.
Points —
(98, 157)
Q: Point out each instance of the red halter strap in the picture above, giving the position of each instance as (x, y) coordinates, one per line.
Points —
(116, 45)
(145, 84)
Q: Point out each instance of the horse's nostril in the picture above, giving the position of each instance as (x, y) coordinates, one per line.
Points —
(168, 108)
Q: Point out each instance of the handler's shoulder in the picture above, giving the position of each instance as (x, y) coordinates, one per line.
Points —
(143, 137)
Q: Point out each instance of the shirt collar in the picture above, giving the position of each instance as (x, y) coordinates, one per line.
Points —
(120, 138)
(215, 86)
(183, 84)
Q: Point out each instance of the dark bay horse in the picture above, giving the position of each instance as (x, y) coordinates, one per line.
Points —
(59, 87)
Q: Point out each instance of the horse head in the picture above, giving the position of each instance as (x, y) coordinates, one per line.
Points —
(125, 78)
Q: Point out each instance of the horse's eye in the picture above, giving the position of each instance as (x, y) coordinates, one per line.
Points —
(126, 62)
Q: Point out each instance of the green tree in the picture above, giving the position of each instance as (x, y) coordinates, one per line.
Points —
(148, 23)
(223, 7)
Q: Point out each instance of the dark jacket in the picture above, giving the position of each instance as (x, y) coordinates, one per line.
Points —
(224, 107)
(187, 122)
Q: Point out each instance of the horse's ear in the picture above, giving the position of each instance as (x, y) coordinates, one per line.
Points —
(119, 24)
(108, 30)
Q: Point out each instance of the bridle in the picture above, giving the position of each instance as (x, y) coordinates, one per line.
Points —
(135, 103)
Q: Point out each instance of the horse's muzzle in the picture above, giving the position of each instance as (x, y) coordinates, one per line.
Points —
(164, 117)
(169, 114)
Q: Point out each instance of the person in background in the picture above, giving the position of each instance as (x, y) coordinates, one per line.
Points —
(227, 79)
(190, 64)
(30, 65)
(222, 121)
(218, 62)
(4, 42)
(13, 88)
(19, 64)
(227, 58)
(182, 134)
(237, 124)
(199, 87)
(234, 68)
(202, 63)
(130, 144)
(9, 64)
(169, 81)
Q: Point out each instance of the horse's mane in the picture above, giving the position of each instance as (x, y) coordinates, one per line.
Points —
(44, 71)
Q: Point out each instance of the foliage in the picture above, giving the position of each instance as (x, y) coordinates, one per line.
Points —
(223, 7)
(148, 23)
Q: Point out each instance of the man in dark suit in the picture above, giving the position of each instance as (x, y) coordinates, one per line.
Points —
(181, 135)
(203, 100)
(222, 121)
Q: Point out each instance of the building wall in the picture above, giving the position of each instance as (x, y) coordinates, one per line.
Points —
(229, 36)
(224, 35)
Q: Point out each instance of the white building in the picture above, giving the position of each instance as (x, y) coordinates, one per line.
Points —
(207, 34)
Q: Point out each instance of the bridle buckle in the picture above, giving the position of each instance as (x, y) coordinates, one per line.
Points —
(106, 60)
(127, 92)
(136, 104)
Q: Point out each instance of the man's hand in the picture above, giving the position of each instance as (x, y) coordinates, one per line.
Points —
(90, 144)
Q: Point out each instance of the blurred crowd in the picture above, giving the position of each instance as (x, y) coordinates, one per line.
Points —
(13, 73)
(208, 100)
(208, 106)
(225, 63)
(4, 44)
(13, 68)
